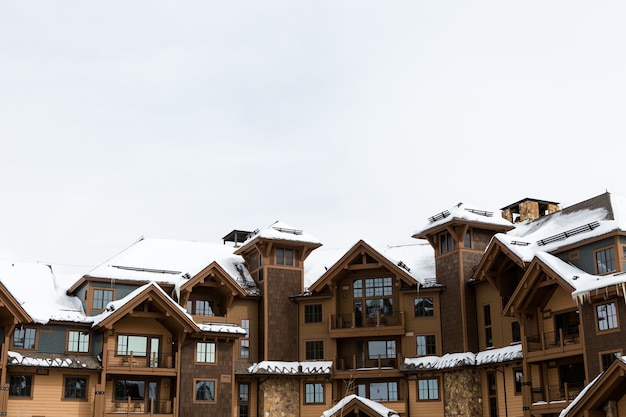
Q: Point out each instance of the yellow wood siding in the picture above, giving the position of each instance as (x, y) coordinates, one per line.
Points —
(246, 309)
(501, 326)
(424, 408)
(416, 326)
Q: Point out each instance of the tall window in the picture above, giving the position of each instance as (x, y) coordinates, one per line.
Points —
(205, 390)
(518, 374)
(245, 343)
(492, 391)
(284, 256)
(313, 313)
(78, 341)
(426, 345)
(20, 385)
(445, 242)
(607, 316)
(314, 350)
(314, 393)
(385, 348)
(205, 352)
(488, 331)
(379, 391)
(423, 307)
(24, 338)
(373, 296)
(467, 241)
(75, 388)
(101, 298)
(244, 400)
(428, 389)
(516, 333)
(605, 261)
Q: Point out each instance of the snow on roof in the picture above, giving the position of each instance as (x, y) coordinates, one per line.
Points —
(222, 328)
(464, 212)
(416, 259)
(380, 409)
(50, 360)
(173, 262)
(34, 287)
(282, 231)
(456, 360)
(291, 368)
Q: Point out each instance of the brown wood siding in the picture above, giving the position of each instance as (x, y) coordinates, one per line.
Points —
(451, 311)
(223, 386)
(424, 408)
(315, 331)
(246, 309)
(416, 326)
(282, 313)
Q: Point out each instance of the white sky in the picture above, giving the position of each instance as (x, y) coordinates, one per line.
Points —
(348, 119)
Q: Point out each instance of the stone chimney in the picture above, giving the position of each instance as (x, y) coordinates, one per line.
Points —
(528, 209)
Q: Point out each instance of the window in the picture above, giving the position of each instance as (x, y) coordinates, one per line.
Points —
(75, 388)
(375, 294)
(518, 375)
(492, 392)
(314, 393)
(24, 338)
(20, 385)
(245, 349)
(284, 256)
(78, 341)
(605, 261)
(135, 389)
(487, 319)
(200, 307)
(607, 316)
(314, 350)
(423, 307)
(445, 242)
(205, 352)
(385, 348)
(137, 345)
(606, 359)
(379, 391)
(244, 400)
(205, 390)
(516, 333)
(467, 241)
(101, 298)
(426, 345)
(428, 389)
(313, 313)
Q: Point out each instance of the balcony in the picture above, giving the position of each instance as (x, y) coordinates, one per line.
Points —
(554, 343)
(358, 325)
(156, 364)
(354, 362)
(150, 407)
(554, 398)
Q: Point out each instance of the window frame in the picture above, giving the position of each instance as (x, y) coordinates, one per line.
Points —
(93, 297)
(315, 393)
(517, 385)
(243, 403)
(430, 341)
(365, 389)
(446, 242)
(79, 342)
(617, 326)
(85, 396)
(313, 313)
(388, 343)
(195, 390)
(25, 329)
(129, 378)
(316, 347)
(606, 263)
(617, 354)
(196, 352)
(281, 256)
(421, 309)
(428, 389)
(488, 325)
(30, 386)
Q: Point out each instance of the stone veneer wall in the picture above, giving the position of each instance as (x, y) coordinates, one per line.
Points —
(279, 397)
(462, 393)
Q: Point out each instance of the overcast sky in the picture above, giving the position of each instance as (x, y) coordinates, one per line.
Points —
(348, 119)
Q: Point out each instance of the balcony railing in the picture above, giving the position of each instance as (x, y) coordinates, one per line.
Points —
(549, 393)
(147, 407)
(552, 340)
(348, 363)
(358, 320)
(155, 360)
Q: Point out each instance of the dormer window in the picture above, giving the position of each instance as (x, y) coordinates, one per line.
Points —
(284, 256)
(467, 241)
(445, 242)
(605, 261)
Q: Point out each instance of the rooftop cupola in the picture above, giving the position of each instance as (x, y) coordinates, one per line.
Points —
(528, 209)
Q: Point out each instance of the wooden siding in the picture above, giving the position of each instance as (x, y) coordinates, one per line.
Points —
(424, 408)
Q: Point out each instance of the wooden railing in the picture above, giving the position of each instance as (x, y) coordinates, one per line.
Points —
(357, 320)
(357, 362)
(551, 340)
(549, 393)
(155, 360)
(147, 407)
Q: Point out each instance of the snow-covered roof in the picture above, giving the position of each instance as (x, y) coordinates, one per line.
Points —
(34, 287)
(291, 368)
(282, 231)
(467, 213)
(457, 360)
(169, 261)
(378, 408)
(222, 328)
(416, 259)
(53, 360)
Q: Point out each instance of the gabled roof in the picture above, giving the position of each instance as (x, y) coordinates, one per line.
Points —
(280, 232)
(354, 403)
(118, 309)
(497, 256)
(34, 296)
(171, 262)
(215, 270)
(466, 214)
(608, 385)
(422, 261)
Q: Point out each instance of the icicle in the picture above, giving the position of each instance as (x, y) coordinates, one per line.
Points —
(624, 290)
